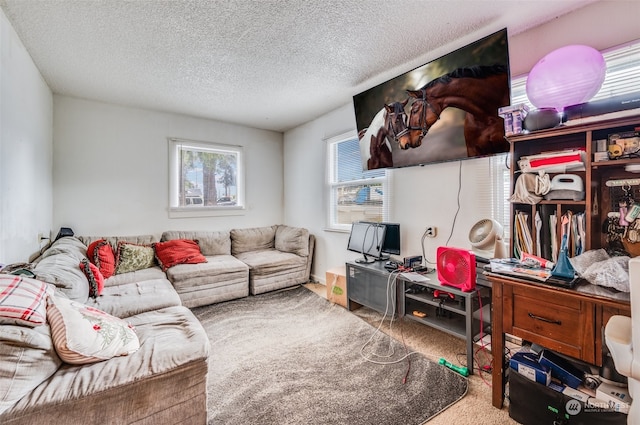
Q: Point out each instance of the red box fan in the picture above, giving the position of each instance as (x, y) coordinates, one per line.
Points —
(456, 267)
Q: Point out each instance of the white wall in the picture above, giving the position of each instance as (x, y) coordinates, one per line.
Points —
(426, 196)
(25, 150)
(111, 169)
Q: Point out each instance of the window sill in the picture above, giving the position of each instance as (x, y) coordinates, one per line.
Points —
(189, 212)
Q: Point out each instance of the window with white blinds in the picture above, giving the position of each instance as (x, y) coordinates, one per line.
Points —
(354, 194)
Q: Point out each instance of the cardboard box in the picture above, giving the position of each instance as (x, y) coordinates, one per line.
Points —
(336, 282)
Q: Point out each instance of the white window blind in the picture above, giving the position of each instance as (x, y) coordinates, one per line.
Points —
(354, 194)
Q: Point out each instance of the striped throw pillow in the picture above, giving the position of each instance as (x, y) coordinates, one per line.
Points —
(23, 301)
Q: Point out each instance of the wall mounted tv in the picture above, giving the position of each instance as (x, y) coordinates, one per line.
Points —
(450, 106)
(367, 239)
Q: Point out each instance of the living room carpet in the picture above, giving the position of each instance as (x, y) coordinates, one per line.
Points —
(292, 357)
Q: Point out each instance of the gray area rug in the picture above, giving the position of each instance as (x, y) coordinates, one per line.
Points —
(292, 357)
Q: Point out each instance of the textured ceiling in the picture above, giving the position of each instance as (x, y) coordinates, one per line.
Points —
(270, 64)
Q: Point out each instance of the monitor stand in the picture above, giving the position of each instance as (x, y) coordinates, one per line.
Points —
(365, 260)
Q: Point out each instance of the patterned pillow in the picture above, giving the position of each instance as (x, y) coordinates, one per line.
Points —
(83, 334)
(94, 276)
(131, 257)
(23, 300)
(178, 251)
(101, 254)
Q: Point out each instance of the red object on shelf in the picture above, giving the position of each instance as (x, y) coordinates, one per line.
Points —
(456, 267)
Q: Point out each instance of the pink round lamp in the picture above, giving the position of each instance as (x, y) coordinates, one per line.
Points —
(567, 76)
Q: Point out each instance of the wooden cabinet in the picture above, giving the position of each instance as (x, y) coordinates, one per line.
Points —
(599, 199)
(569, 321)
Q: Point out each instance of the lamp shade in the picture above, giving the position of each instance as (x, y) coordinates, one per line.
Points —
(567, 76)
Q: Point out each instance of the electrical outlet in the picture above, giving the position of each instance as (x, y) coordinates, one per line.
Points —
(431, 232)
(40, 237)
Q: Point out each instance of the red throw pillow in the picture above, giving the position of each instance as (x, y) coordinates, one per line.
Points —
(101, 254)
(178, 251)
(95, 278)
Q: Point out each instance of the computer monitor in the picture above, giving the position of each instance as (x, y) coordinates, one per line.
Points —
(366, 239)
(391, 243)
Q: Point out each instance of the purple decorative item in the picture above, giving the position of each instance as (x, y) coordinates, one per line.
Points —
(567, 76)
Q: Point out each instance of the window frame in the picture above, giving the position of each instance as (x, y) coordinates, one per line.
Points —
(176, 211)
(332, 183)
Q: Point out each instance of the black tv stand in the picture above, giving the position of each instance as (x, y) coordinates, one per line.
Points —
(367, 285)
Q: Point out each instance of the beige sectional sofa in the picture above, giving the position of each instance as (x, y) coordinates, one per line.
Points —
(242, 261)
(164, 381)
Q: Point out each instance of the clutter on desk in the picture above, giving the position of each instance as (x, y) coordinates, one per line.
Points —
(599, 268)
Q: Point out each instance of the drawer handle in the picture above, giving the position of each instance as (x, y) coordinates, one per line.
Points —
(544, 319)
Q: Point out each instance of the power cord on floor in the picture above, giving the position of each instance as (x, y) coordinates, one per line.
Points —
(390, 293)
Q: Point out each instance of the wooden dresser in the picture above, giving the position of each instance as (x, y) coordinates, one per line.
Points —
(568, 321)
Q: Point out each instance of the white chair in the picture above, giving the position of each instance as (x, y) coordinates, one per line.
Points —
(622, 337)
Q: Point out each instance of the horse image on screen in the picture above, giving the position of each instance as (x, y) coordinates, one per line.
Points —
(452, 107)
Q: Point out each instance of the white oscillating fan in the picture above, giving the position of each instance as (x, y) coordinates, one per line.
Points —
(486, 239)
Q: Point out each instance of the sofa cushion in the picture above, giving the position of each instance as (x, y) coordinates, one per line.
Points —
(252, 239)
(137, 297)
(177, 251)
(95, 278)
(131, 257)
(27, 358)
(151, 273)
(272, 262)
(211, 243)
(83, 334)
(216, 266)
(59, 265)
(292, 239)
(23, 301)
(101, 254)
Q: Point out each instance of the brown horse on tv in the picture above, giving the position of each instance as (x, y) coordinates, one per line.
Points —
(477, 90)
(388, 126)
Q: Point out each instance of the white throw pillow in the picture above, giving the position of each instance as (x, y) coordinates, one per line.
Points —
(83, 334)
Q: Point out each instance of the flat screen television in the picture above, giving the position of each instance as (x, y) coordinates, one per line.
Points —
(366, 239)
(450, 107)
(391, 242)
